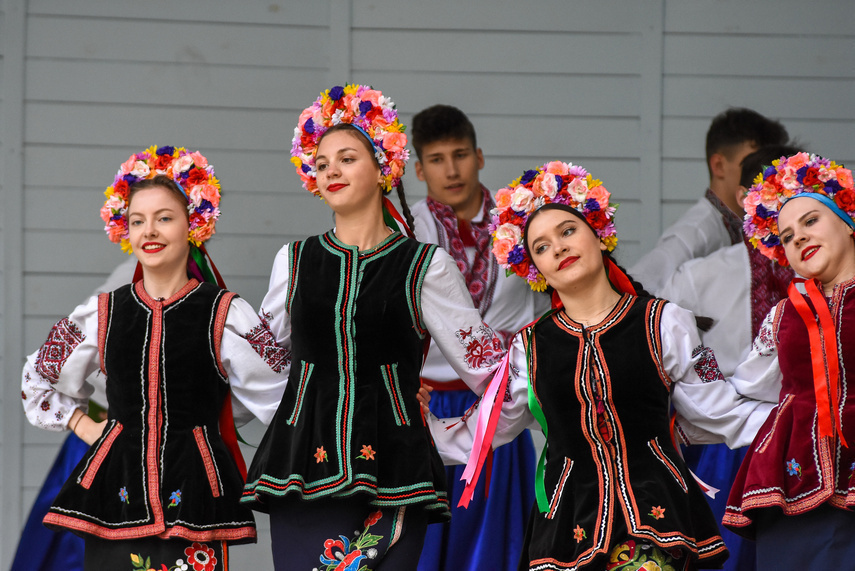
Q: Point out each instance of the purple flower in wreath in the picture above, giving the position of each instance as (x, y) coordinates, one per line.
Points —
(591, 205)
(336, 92)
(794, 468)
(528, 176)
(516, 255)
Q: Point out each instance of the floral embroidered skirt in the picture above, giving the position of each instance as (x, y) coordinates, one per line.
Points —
(345, 533)
(154, 553)
(632, 555)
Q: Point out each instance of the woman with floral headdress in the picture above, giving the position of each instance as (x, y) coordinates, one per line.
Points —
(794, 491)
(160, 485)
(347, 469)
(597, 374)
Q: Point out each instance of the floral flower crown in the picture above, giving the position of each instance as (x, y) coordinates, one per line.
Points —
(787, 177)
(190, 171)
(554, 182)
(367, 109)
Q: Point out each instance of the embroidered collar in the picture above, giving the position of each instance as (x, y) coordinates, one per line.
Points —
(152, 302)
(732, 222)
(481, 274)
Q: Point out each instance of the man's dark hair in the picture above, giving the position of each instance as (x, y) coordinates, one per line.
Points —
(738, 125)
(762, 158)
(439, 123)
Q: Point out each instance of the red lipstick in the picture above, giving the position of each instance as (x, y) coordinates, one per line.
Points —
(567, 261)
(808, 253)
(335, 186)
(146, 247)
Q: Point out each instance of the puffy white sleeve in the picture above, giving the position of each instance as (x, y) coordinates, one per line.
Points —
(759, 376)
(469, 345)
(54, 379)
(701, 395)
(273, 307)
(256, 365)
(454, 437)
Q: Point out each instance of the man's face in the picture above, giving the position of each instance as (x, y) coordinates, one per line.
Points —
(450, 169)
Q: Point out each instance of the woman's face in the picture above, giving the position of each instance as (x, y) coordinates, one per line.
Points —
(564, 249)
(347, 173)
(818, 244)
(158, 227)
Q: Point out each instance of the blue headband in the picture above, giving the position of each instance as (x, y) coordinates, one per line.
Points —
(367, 136)
(827, 202)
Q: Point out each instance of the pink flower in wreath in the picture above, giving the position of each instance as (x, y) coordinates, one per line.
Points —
(201, 557)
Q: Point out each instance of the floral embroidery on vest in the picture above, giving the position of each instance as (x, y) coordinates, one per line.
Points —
(706, 366)
(657, 512)
(123, 495)
(63, 338)
(483, 348)
(174, 498)
(579, 534)
(321, 455)
(367, 453)
(794, 468)
(347, 554)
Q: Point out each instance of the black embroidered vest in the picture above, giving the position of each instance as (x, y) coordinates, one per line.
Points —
(349, 420)
(612, 472)
(160, 468)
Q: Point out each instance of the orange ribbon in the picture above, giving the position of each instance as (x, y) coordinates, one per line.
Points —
(825, 360)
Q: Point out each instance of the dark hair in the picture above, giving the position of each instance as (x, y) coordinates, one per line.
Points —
(754, 163)
(160, 180)
(439, 123)
(369, 146)
(738, 125)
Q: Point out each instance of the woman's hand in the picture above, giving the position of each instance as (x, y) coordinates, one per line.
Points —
(85, 428)
(423, 396)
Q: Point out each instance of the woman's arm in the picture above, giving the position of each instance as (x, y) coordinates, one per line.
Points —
(468, 344)
(455, 437)
(273, 311)
(53, 384)
(701, 395)
(257, 366)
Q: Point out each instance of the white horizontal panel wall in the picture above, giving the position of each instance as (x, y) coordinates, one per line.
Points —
(626, 89)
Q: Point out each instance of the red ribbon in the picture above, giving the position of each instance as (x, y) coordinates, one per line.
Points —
(393, 212)
(229, 434)
(825, 360)
(618, 279)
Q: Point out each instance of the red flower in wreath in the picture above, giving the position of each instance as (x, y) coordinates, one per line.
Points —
(201, 557)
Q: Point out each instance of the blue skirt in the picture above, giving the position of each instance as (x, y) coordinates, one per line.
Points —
(39, 548)
(490, 533)
(717, 465)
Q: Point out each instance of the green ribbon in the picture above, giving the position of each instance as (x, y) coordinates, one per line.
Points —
(537, 412)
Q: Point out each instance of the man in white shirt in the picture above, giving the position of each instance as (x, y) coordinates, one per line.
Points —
(736, 286)
(715, 221)
(456, 215)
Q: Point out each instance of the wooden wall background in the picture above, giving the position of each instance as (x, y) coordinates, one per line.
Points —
(626, 89)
